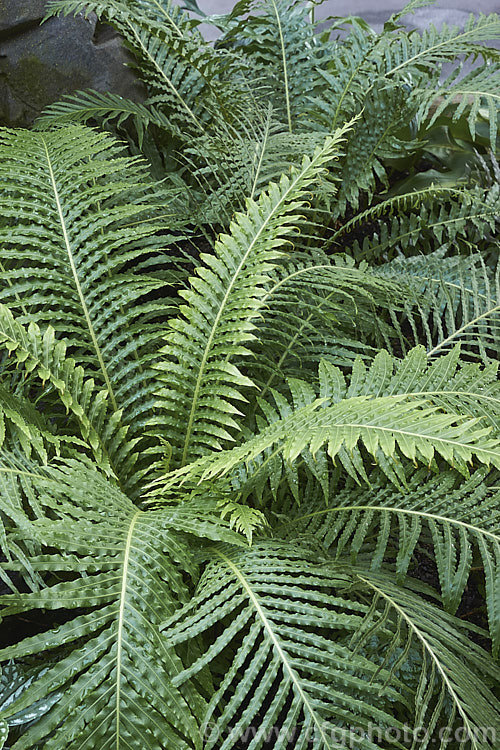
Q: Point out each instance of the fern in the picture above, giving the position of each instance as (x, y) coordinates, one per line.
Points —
(249, 399)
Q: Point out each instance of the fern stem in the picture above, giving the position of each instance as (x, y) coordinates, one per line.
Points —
(285, 67)
(119, 636)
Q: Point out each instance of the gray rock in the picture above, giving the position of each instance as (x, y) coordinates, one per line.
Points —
(39, 64)
(14, 14)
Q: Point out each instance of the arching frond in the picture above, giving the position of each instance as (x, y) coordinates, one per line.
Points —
(217, 324)
(452, 517)
(72, 220)
(388, 419)
(288, 623)
(188, 80)
(450, 300)
(433, 214)
(299, 625)
(241, 165)
(320, 307)
(475, 91)
(104, 107)
(431, 47)
(444, 696)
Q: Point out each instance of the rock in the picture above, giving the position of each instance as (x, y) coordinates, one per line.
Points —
(39, 64)
(15, 14)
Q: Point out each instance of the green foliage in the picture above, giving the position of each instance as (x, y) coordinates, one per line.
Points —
(249, 397)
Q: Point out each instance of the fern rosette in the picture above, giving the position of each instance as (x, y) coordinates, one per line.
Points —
(249, 399)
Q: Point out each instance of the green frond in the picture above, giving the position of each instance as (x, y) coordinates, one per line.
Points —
(460, 213)
(104, 107)
(72, 220)
(320, 307)
(242, 518)
(282, 610)
(379, 523)
(174, 18)
(449, 688)
(188, 81)
(375, 138)
(250, 412)
(431, 47)
(240, 165)
(450, 300)
(384, 414)
(349, 77)
(23, 426)
(122, 571)
(43, 356)
(446, 382)
(475, 93)
(279, 42)
(200, 382)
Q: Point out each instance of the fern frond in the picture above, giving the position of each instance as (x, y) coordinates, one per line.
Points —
(447, 514)
(285, 617)
(473, 94)
(432, 47)
(449, 301)
(375, 138)
(217, 324)
(389, 420)
(72, 220)
(319, 307)
(105, 107)
(23, 426)
(279, 41)
(469, 213)
(188, 80)
(240, 165)
(450, 662)
(175, 19)
(453, 386)
(242, 518)
(112, 672)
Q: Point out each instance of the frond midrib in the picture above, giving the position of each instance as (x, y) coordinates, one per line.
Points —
(120, 624)
(285, 66)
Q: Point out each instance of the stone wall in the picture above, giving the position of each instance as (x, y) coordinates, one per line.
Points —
(40, 63)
